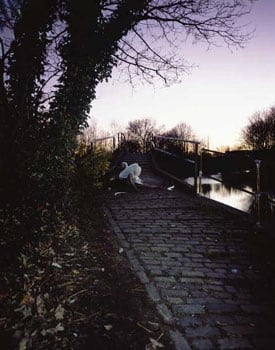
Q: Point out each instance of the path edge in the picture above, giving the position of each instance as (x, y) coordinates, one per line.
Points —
(177, 338)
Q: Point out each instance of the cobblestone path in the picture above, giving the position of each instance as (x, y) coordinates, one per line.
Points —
(191, 255)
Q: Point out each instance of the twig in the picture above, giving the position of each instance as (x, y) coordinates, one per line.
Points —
(162, 334)
(77, 293)
(146, 329)
(138, 290)
(84, 318)
(65, 284)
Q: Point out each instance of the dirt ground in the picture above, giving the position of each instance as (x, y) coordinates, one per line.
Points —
(74, 289)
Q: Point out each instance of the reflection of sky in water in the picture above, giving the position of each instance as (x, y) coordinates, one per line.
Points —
(228, 195)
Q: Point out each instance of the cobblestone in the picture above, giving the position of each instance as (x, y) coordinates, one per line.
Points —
(191, 321)
(205, 331)
(222, 308)
(179, 341)
(234, 343)
(165, 279)
(152, 292)
(143, 277)
(191, 280)
(202, 344)
(165, 313)
(190, 253)
(188, 273)
(189, 309)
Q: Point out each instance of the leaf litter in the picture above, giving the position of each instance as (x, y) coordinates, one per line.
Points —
(74, 290)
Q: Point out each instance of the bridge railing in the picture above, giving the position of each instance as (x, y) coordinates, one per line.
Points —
(182, 150)
(187, 152)
(261, 198)
(108, 143)
(202, 167)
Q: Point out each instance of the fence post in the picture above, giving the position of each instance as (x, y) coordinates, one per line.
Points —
(201, 171)
(258, 189)
(196, 167)
(114, 143)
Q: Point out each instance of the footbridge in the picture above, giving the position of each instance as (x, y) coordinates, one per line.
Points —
(194, 258)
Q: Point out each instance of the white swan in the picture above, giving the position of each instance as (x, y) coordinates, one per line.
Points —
(133, 171)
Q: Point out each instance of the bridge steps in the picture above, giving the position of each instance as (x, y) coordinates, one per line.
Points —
(144, 160)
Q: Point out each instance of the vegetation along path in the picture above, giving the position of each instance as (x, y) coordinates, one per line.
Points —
(193, 256)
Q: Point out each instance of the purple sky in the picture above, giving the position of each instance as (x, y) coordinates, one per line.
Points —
(216, 99)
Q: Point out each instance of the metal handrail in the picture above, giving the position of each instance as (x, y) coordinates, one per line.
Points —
(211, 151)
(104, 139)
(176, 139)
(258, 193)
(194, 162)
(164, 152)
(173, 155)
(121, 137)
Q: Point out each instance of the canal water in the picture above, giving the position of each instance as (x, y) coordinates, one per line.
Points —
(226, 194)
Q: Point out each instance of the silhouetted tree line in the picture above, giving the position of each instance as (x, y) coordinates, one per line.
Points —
(139, 133)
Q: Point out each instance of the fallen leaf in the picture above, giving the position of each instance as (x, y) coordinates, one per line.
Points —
(59, 327)
(54, 264)
(24, 260)
(71, 301)
(43, 332)
(156, 344)
(85, 247)
(70, 254)
(34, 333)
(18, 334)
(26, 311)
(51, 331)
(40, 305)
(23, 343)
(59, 312)
(27, 300)
(154, 326)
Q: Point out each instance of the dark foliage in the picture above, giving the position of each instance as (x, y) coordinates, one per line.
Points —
(53, 55)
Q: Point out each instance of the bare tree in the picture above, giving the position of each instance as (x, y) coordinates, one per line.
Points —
(116, 127)
(151, 47)
(260, 131)
(141, 130)
(182, 131)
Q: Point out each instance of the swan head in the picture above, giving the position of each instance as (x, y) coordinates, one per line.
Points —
(124, 165)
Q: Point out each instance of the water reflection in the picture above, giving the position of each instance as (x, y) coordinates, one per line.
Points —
(226, 194)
